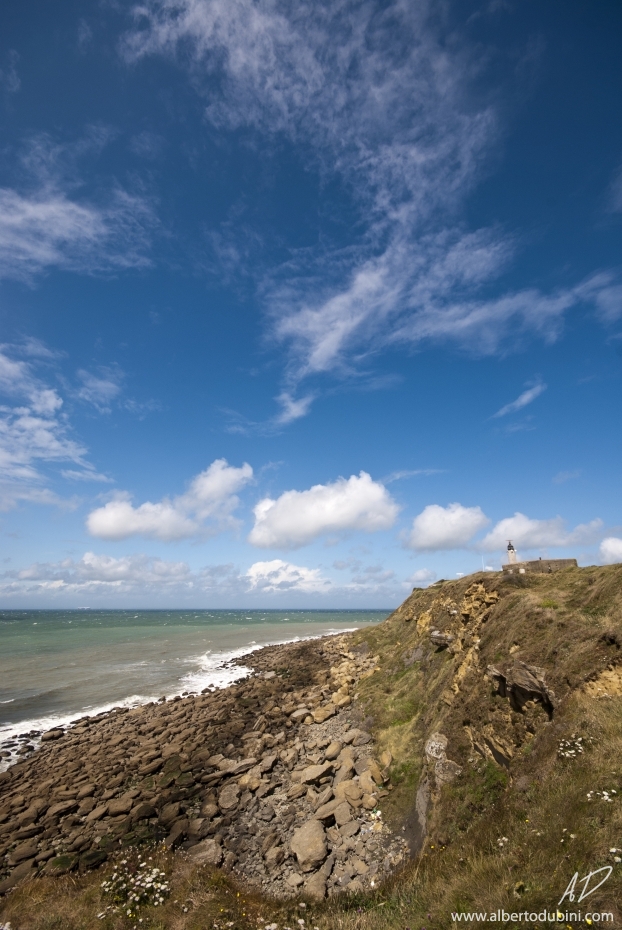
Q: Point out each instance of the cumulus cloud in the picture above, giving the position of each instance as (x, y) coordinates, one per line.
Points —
(297, 517)
(381, 96)
(526, 533)
(611, 550)
(527, 397)
(423, 576)
(99, 576)
(278, 575)
(211, 497)
(104, 579)
(451, 527)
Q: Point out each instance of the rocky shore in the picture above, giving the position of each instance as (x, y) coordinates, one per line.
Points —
(274, 779)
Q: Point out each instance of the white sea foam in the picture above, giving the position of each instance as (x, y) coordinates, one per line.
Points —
(215, 670)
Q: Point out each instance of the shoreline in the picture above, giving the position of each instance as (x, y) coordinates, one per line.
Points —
(272, 778)
(29, 731)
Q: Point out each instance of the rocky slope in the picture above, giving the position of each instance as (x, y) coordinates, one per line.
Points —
(483, 719)
(271, 778)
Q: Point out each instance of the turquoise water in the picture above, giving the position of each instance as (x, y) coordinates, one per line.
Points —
(56, 665)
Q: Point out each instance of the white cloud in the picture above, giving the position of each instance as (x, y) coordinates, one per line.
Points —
(100, 390)
(278, 575)
(611, 550)
(93, 575)
(423, 575)
(33, 432)
(292, 409)
(382, 96)
(46, 224)
(450, 527)
(210, 496)
(87, 474)
(527, 397)
(562, 476)
(400, 475)
(9, 78)
(526, 533)
(298, 517)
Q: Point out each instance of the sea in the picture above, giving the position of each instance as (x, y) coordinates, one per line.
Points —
(59, 665)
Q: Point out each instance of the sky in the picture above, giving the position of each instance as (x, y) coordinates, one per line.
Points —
(305, 305)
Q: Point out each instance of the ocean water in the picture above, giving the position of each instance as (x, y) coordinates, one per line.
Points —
(58, 665)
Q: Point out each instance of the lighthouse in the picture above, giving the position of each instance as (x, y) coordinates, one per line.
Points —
(512, 558)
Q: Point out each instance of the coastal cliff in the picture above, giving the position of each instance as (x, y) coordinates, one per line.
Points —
(462, 755)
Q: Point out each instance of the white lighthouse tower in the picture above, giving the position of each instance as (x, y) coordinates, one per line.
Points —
(512, 557)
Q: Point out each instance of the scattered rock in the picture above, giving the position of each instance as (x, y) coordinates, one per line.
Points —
(308, 844)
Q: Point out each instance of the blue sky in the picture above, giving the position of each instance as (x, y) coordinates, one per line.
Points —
(303, 305)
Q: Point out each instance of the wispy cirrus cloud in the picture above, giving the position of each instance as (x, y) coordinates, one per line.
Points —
(383, 97)
(10, 82)
(47, 220)
(100, 389)
(33, 432)
(527, 397)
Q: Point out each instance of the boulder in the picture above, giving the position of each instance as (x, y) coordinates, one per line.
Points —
(244, 766)
(323, 713)
(197, 828)
(169, 813)
(52, 735)
(326, 812)
(92, 859)
(151, 767)
(209, 810)
(142, 811)
(100, 811)
(178, 832)
(207, 852)
(343, 814)
(118, 806)
(22, 872)
(267, 764)
(63, 807)
(274, 857)
(27, 850)
(345, 773)
(332, 750)
(315, 887)
(308, 844)
(229, 797)
(313, 773)
(61, 864)
(367, 783)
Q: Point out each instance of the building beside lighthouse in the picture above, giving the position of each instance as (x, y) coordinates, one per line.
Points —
(514, 566)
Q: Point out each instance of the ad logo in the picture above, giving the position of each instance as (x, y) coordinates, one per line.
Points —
(572, 885)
